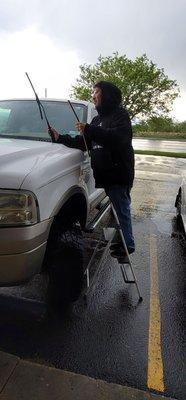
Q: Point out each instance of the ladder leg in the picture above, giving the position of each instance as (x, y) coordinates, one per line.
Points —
(92, 284)
(87, 277)
(90, 262)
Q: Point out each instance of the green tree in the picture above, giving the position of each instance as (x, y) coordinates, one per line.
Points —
(181, 127)
(145, 88)
(160, 124)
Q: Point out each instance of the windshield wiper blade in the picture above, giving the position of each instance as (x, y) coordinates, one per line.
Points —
(37, 98)
(41, 107)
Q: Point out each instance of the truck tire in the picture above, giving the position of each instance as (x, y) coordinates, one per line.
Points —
(65, 266)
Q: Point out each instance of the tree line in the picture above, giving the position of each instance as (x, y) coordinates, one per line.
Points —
(160, 124)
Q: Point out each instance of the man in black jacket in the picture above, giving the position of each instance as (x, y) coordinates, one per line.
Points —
(109, 139)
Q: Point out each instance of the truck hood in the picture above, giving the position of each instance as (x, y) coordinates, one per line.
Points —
(21, 159)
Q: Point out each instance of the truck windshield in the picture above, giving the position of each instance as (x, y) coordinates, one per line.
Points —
(21, 119)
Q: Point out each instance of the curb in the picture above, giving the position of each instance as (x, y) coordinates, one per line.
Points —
(24, 380)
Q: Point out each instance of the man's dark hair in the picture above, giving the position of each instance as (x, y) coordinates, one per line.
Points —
(111, 97)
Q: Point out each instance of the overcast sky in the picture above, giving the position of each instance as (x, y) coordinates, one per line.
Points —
(49, 39)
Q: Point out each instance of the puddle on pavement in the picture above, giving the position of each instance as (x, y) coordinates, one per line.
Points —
(168, 165)
(163, 223)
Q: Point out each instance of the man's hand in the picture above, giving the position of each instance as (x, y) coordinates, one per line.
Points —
(54, 133)
(80, 127)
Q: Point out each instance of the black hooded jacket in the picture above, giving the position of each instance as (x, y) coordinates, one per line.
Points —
(109, 139)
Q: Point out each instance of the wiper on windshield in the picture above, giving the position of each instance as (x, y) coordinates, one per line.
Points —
(40, 106)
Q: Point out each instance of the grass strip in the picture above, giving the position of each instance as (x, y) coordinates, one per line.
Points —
(177, 139)
(161, 153)
(160, 135)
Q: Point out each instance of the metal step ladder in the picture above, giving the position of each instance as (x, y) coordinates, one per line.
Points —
(104, 242)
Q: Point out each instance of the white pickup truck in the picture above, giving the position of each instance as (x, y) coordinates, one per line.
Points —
(46, 193)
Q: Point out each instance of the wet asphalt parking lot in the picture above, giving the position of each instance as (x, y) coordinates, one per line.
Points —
(115, 337)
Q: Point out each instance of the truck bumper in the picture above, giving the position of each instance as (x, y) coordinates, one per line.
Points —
(22, 251)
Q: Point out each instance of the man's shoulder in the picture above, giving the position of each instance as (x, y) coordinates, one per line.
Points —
(96, 120)
(120, 114)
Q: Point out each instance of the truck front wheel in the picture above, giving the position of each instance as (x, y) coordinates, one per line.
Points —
(65, 266)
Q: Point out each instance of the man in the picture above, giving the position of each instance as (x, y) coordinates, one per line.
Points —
(109, 139)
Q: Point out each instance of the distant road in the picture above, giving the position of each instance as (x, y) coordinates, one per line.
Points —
(160, 145)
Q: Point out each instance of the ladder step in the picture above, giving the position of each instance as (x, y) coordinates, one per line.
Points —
(95, 221)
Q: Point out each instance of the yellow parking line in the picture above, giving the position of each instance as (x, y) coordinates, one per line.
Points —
(155, 378)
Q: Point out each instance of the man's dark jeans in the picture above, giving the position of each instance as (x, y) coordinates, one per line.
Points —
(121, 200)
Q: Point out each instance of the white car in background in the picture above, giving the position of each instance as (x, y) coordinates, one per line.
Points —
(180, 202)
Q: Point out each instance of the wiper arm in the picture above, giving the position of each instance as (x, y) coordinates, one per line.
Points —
(40, 106)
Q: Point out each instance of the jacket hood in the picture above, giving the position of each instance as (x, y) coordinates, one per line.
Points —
(111, 97)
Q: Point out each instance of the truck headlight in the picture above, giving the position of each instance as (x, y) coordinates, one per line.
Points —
(17, 208)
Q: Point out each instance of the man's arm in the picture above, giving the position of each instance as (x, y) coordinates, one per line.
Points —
(76, 142)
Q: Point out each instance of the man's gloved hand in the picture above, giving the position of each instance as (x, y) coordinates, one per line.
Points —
(54, 133)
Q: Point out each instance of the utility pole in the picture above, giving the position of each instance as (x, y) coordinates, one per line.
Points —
(45, 93)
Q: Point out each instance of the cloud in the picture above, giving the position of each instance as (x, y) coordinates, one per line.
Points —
(91, 28)
(48, 66)
(16, 15)
(179, 107)
(79, 31)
